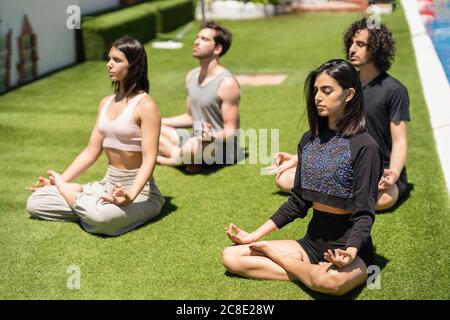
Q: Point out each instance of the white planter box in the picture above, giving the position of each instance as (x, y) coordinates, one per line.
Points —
(234, 10)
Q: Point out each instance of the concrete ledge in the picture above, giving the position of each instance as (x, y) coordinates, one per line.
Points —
(435, 85)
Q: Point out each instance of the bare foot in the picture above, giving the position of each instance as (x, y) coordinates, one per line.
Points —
(265, 247)
(275, 253)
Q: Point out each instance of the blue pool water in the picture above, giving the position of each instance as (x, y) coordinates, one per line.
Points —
(439, 31)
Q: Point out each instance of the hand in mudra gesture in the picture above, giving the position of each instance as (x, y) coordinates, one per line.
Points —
(119, 196)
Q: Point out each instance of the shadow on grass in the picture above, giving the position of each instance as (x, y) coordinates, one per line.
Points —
(207, 169)
(204, 169)
(282, 193)
(380, 261)
(167, 209)
(400, 201)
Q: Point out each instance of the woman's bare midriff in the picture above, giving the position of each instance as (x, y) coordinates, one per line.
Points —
(326, 208)
(121, 159)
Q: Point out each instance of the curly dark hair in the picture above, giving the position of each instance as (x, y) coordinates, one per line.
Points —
(381, 44)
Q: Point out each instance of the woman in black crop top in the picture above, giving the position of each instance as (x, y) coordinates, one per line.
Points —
(337, 174)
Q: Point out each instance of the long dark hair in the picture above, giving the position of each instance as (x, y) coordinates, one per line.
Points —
(137, 78)
(351, 120)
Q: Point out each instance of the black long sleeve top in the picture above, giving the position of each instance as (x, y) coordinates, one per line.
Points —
(338, 171)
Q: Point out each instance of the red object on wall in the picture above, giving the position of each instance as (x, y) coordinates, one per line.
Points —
(427, 12)
(28, 57)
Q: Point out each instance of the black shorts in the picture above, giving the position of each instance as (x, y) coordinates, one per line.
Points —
(331, 231)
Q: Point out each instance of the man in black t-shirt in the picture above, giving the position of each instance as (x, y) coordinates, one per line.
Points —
(386, 104)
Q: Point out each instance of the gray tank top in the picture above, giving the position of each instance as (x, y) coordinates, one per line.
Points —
(206, 106)
(204, 102)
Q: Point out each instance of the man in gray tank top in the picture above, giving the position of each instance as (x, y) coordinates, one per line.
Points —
(212, 109)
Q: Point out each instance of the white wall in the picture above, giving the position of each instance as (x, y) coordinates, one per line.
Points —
(89, 6)
(56, 43)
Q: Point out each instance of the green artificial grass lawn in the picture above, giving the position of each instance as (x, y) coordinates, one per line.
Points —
(45, 124)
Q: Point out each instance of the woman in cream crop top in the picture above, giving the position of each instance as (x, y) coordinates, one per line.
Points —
(127, 130)
(121, 133)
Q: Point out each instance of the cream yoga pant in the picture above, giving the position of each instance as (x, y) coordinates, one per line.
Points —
(95, 215)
